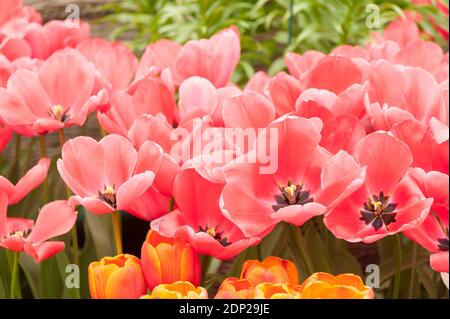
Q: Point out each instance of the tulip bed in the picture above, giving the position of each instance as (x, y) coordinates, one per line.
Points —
(327, 180)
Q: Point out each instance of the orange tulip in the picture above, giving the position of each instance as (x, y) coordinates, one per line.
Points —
(166, 260)
(272, 269)
(325, 286)
(234, 288)
(178, 290)
(268, 290)
(117, 277)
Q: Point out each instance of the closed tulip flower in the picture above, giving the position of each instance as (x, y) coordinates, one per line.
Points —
(178, 290)
(326, 286)
(234, 288)
(268, 290)
(166, 260)
(117, 277)
(272, 269)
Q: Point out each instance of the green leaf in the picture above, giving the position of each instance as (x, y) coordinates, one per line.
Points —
(319, 254)
(426, 280)
(345, 262)
(387, 268)
(51, 285)
(62, 262)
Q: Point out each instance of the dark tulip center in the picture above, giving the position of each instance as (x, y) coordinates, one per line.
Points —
(292, 194)
(378, 211)
(212, 231)
(108, 195)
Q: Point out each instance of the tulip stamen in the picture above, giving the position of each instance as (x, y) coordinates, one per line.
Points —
(443, 243)
(292, 194)
(108, 195)
(57, 112)
(212, 231)
(378, 211)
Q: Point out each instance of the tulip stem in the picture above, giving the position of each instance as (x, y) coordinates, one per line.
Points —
(18, 149)
(15, 271)
(205, 263)
(171, 204)
(413, 270)
(43, 148)
(301, 244)
(398, 272)
(117, 232)
(73, 231)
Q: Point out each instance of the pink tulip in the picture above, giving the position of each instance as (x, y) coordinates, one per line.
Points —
(342, 129)
(55, 35)
(18, 234)
(148, 96)
(258, 83)
(157, 57)
(214, 59)
(300, 64)
(198, 98)
(256, 202)
(248, 110)
(5, 136)
(325, 71)
(115, 61)
(31, 180)
(199, 221)
(58, 95)
(108, 175)
(388, 202)
(402, 93)
(433, 233)
(427, 153)
(284, 91)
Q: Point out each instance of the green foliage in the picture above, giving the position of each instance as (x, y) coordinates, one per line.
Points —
(269, 28)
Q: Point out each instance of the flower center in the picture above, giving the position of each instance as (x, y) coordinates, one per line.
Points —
(19, 234)
(378, 211)
(108, 195)
(212, 231)
(57, 112)
(292, 194)
(443, 244)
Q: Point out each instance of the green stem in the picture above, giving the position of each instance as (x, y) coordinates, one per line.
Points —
(43, 148)
(291, 21)
(117, 231)
(15, 271)
(73, 231)
(18, 149)
(204, 264)
(171, 204)
(29, 151)
(413, 271)
(301, 244)
(398, 272)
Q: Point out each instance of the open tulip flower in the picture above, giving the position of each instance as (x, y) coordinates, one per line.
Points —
(60, 94)
(293, 193)
(19, 234)
(433, 233)
(388, 202)
(115, 179)
(210, 162)
(199, 220)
